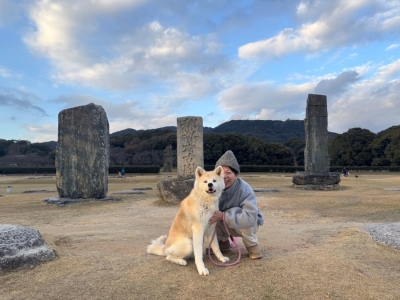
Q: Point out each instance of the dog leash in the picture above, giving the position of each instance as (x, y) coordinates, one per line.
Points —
(234, 245)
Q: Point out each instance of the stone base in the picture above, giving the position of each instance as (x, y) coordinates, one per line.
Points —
(317, 180)
(311, 187)
(61, 201)
(262, 190)
(174, 190)
(21, 247)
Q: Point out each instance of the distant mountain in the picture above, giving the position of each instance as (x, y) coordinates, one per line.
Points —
(133, 131)
(125, 131)
(269, 131)
(51, 144)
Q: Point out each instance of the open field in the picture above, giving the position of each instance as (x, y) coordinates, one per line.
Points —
(312, 241)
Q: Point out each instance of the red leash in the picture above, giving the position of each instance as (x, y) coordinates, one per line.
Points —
(234, 244)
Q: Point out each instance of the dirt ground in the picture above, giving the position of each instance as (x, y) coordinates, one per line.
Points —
(312, 241)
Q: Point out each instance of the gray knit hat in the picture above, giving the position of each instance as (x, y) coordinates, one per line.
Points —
(228, 159)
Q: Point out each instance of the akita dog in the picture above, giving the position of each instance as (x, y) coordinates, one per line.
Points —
(190, 232)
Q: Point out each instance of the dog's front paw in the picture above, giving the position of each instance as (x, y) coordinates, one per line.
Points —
(224, 259)
(203, 271)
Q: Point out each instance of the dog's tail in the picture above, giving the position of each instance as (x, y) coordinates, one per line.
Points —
(157, 246)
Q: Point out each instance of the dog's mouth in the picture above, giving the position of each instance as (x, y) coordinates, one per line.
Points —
(211, 191)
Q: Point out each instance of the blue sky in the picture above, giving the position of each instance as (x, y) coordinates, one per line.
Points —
(148, 62)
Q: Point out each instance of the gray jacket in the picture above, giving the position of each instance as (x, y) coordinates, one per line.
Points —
(240, 206)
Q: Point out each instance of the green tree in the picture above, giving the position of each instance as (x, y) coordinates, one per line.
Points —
(248, 150)
(297, 148)
(352, 148)
(386, 147)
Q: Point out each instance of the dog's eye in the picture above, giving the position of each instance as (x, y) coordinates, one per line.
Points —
(205, 181)
(214, 180)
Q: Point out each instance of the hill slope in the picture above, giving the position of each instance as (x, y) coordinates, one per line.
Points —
(269, 131)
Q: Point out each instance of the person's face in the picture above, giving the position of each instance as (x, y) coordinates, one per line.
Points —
(229, 177)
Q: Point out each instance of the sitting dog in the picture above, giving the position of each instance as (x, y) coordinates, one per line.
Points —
(190, 232)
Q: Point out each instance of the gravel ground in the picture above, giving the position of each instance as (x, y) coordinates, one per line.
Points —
(388, 233)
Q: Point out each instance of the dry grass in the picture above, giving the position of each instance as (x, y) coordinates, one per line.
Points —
(312, 242)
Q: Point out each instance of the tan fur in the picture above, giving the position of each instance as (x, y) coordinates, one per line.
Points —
(190, 232)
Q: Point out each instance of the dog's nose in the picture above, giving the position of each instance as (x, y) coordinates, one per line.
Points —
(210, 184)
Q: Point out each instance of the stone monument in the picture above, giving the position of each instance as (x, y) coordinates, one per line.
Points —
(21, 247)
(189, 146)
(189, 157)
(316, 175)
(82, 154)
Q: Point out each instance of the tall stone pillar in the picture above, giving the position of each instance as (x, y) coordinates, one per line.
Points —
(82, 154)
(189, 146)
(189, 157)
(317, 175)
(316, 157)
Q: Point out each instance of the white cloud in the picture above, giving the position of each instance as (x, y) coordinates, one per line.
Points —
(373, 101)
(265, 114)
(388, 72)
(20, 100)
(391, 47)
(165, 62)
(38, 133)
(251, 98)
(6, 73)
(339, 24)
(127, 114)
(337, 85)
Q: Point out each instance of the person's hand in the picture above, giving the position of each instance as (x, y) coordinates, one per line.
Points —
(217, 216)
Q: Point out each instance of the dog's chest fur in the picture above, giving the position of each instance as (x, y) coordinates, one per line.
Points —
(206, 210)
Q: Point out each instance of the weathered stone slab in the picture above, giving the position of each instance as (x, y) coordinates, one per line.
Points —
(129, 192)
(145, 188)
(22, 247)
(174, 191)
(189, 146)
(37, 191)
(317, 180)
(263, 190)
(61, 201)
(316, 157)
(82, 154)
(317, 175)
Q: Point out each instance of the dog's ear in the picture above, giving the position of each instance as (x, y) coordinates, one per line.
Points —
(220, 171)
(199, 172)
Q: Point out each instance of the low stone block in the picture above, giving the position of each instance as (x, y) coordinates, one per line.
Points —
(61, 201)
(129, 192)
(21, 247)
(174, 191)
(263, 190)
(317, 181)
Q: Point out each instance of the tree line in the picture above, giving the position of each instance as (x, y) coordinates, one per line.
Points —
(361, 147)
(356, 147)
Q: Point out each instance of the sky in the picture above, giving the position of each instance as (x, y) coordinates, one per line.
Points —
(148, 62)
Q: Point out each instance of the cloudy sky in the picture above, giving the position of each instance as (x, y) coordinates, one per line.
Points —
(147, 62)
